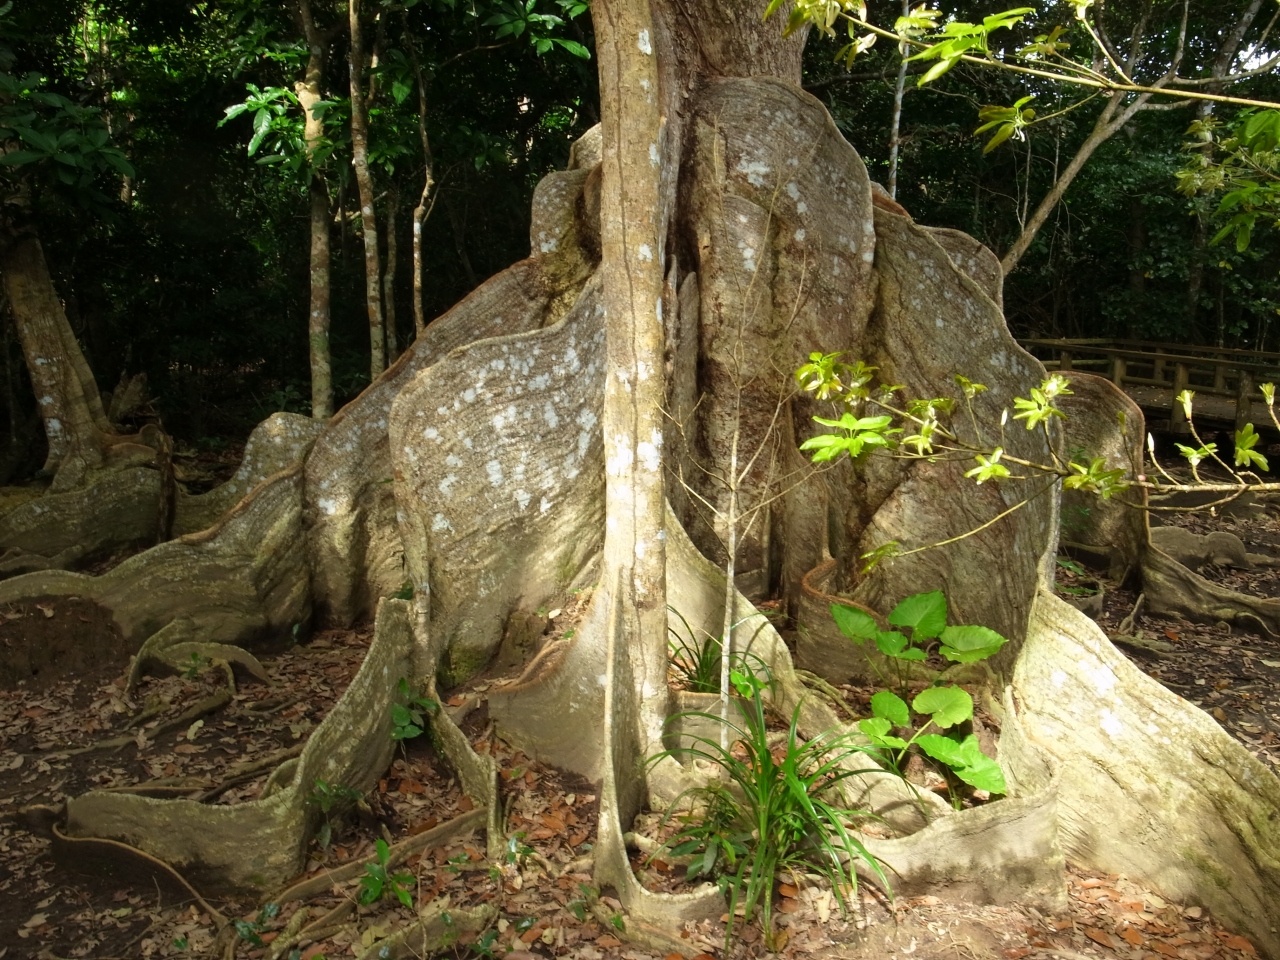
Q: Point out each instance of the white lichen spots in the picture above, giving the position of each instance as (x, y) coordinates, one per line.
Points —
(494, 469)
(540, 382)
(793, 161)
(620, 463)
(1109, 722)
(544, 505)
(802, 207)
(445, 485)
(938, 323)
(469, 395)
(800, 235)
(755, 172)
(1059, 678)
(640, 548)
(327, 507)
(439, 523)
(522, 499)
(643, 43)
(548, 246)
(1152, 729)
(650, 455)
(549, 415)
(868, 256)
(642, 371)
(645, 253)
(654, 156)
(53, 426)
(793, 191)
(466, 442)
(1104, 680)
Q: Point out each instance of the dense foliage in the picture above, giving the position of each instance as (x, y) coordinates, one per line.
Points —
(180, 244)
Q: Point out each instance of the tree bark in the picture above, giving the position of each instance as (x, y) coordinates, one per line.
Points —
(66, 393)
(308, 93)
(364, 181)
(426, 200)
(895, 127)
(389, 278)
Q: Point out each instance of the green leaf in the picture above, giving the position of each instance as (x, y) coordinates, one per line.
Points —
(891, 707)
(858, 625)
(876, 729)
(946, 706)
(891, 644)
(978, 770)
(968, 644)
(924, 613)
(941, 748)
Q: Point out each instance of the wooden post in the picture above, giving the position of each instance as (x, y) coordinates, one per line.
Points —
(1219, 374)
(1244, 399)
(1118, 371)
(1064, 361)
(1157, 366)
(1178, 419)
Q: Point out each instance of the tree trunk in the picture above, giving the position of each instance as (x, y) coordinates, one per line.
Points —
(528, 434)
(66, 393)
(364, 181)
(426, 200)
(389, 278)
(318, 318)
(895, 126)
(308, 93)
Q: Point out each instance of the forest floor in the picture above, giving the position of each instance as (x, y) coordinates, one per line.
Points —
(68, 726)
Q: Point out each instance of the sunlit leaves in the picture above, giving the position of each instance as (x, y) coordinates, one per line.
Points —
(924, 613)
(1005, 121)
(1197, 455)
(1040, 407)
(989, 467)
(857, 435)
(959, 39)
(1245, 455)
(1095, 478)
(827, 377)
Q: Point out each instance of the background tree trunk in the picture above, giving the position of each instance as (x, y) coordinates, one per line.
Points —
(364, 180)
(308, 93)
(68, 397)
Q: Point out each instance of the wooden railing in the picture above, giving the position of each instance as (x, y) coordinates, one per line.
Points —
(1216, 371)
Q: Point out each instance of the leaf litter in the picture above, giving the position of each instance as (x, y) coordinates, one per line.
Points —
(542, 884)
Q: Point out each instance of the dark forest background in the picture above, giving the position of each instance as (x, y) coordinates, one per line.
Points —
(195, 272)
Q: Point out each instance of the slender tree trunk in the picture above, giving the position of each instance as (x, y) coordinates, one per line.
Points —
(308, 92)
(895, 129)
(389, 277)
(364, 181)
(318, 322)
(66, 393)
(426, 200)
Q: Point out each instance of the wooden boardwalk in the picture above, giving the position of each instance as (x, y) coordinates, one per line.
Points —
(1224, 380)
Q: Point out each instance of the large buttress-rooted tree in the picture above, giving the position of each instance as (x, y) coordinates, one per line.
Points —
(574, 422)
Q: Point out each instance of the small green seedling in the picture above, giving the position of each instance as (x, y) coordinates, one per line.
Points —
(378, 883)
(197, 664)
(250, 930)
(330, 798)
(407, 718)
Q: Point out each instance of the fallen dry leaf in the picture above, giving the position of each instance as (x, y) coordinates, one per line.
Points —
(1099, 936)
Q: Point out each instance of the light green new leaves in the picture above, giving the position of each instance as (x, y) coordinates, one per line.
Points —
(1006, 121)
(1095, 478)
(891, 707)
(989, 467)
(1246, 455)
(859, 434)
(964, 39)
(1040, 408)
